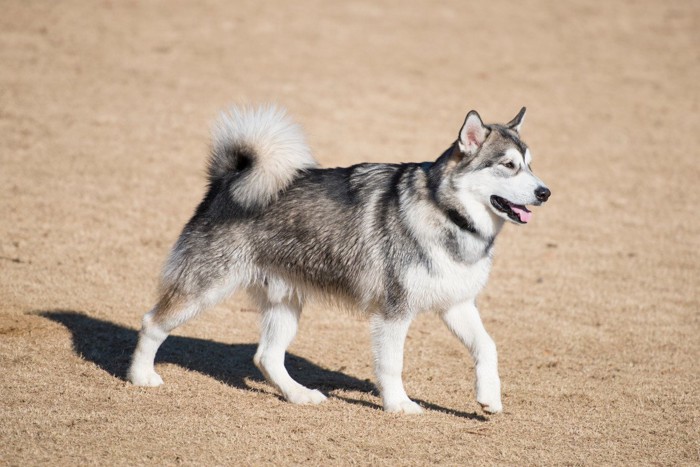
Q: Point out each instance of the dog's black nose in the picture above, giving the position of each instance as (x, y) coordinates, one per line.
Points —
(542, 193)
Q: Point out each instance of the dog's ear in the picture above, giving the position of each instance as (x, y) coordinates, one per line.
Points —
(473, 133)
(517, 121)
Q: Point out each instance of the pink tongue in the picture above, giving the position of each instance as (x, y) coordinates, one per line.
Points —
(523, 214)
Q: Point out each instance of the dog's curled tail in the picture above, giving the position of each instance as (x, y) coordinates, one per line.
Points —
(262, 149)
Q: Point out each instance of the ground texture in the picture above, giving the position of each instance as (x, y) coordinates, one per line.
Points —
(105, 110)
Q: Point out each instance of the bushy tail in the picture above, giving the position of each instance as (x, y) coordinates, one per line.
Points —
(263, 148)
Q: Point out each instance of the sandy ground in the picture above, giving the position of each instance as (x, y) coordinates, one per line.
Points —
(105, 110)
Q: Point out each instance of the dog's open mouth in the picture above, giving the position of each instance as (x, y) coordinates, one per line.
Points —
(516, 212)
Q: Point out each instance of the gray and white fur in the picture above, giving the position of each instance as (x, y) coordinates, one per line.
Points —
(391, 240)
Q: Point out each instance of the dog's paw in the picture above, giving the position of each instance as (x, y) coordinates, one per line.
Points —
(491, 407)
(490, 401)
(304, 396)
(144, 378)
(488, 394)
(407, 407)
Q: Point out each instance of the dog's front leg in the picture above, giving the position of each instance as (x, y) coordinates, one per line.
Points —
(388, 336)
(464, 322)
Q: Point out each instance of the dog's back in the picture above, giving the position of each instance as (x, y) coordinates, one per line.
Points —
(269, 212)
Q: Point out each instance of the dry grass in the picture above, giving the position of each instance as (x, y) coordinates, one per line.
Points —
(104, 108)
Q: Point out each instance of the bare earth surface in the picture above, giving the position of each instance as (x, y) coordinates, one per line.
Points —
(105, 110)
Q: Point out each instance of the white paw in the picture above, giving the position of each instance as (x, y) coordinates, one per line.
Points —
(305, 396)
(144, 378)
(490, 401)
(488, 395)
(491, 407)
(407, 407)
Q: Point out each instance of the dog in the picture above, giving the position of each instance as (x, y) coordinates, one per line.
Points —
(391, 240)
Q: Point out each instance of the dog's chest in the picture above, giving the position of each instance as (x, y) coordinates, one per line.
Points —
(445, 283)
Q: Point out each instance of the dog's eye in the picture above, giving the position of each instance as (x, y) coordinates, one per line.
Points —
(508, 165)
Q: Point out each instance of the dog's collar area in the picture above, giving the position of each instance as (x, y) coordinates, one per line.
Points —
(461, 221)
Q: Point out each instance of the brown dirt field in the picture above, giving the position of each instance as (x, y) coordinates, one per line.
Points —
(105, 110)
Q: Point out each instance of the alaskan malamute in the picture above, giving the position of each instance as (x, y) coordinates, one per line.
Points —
(392, 240)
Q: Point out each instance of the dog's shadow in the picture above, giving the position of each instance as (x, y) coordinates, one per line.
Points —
(110, 346)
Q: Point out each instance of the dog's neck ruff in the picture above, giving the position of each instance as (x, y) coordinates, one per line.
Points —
(433, 172)
(456, 217)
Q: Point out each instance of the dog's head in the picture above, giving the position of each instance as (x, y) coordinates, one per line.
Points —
(492, 166)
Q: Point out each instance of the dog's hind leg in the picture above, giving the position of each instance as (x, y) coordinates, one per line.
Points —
(464, 322)
(279, 323)
(172, 310)
(142, 371)
(388, 336)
